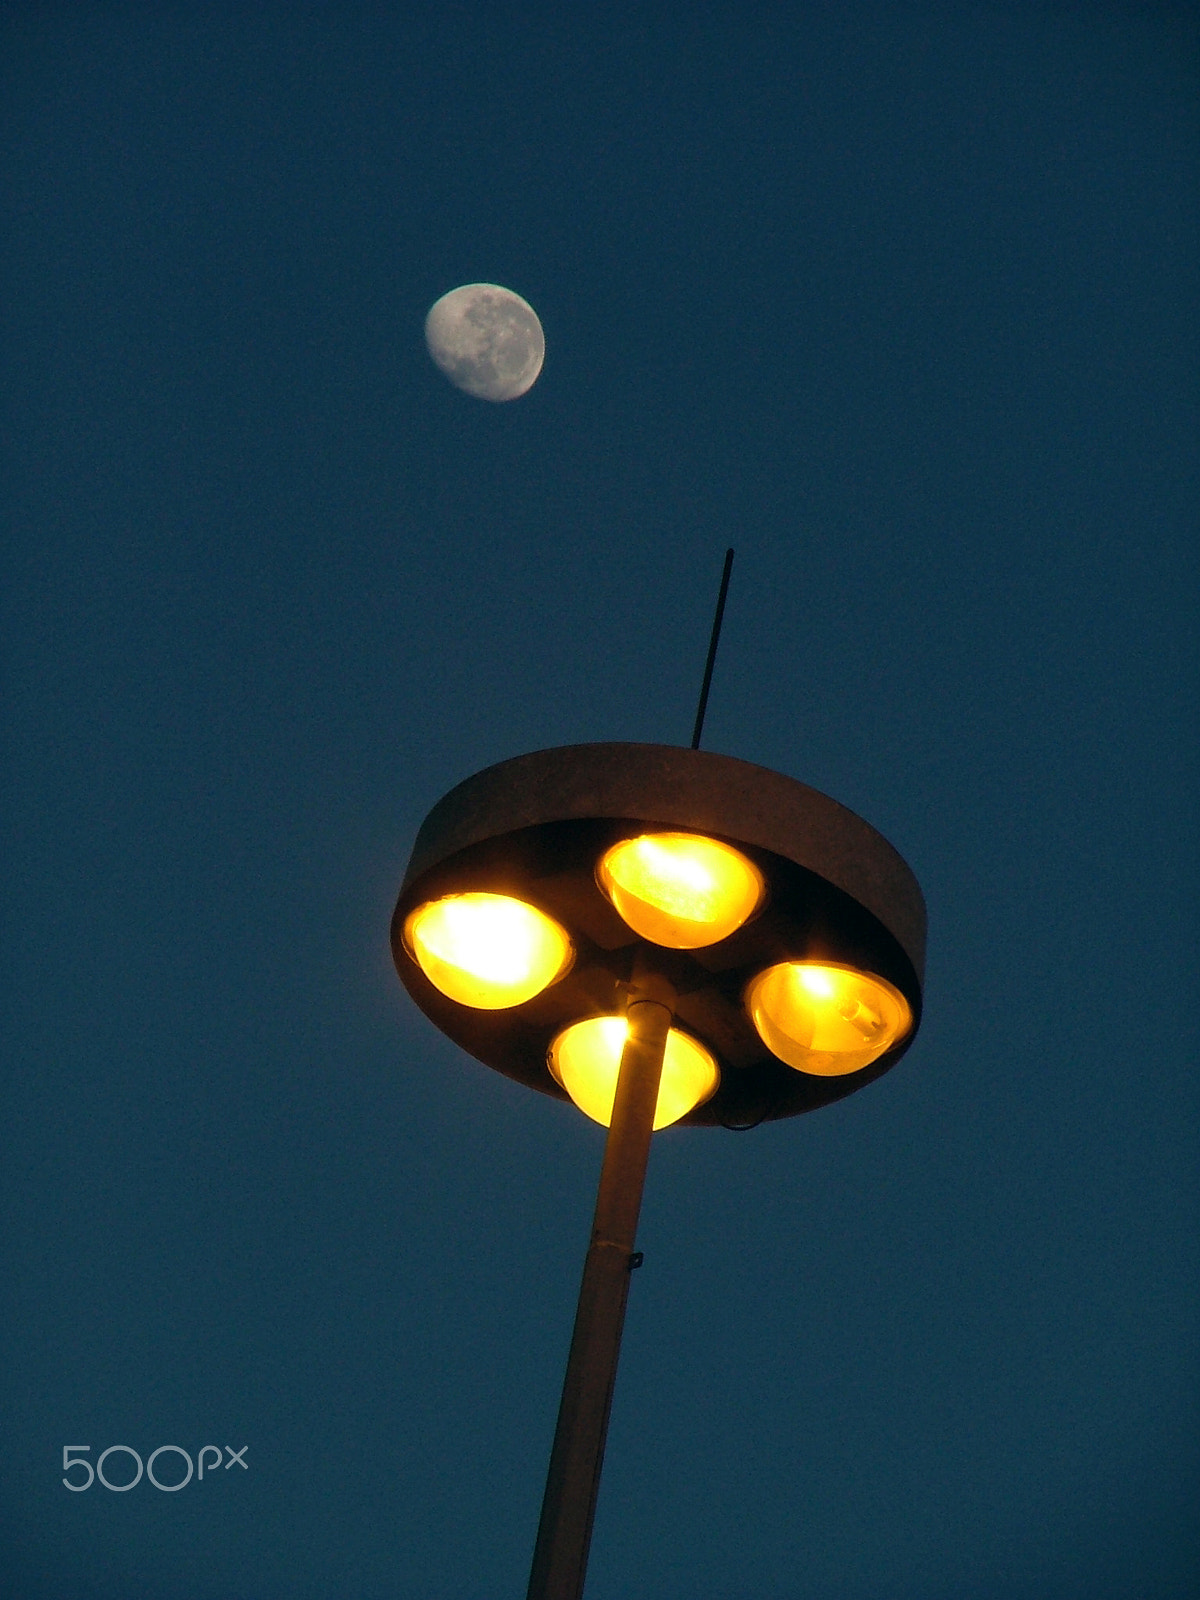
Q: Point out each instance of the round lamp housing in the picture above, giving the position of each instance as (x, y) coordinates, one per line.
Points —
(821, 893)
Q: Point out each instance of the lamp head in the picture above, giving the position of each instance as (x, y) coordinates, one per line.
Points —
(489, 951)
(681, 890)
(791, 933)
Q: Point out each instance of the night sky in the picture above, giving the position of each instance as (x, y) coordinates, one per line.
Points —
(898, 300)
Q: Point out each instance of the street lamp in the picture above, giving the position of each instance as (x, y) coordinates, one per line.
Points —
(660, 935)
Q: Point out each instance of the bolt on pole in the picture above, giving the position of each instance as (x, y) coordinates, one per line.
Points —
(569, 1506)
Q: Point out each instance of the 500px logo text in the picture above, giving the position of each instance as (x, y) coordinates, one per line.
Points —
(209, 1455)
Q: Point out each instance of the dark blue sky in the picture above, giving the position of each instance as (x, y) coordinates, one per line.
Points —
(899, 300)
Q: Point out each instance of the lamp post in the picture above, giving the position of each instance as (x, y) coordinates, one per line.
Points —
(573, 1479)
(660, 935)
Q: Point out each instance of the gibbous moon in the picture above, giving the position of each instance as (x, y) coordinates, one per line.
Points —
(487, 340)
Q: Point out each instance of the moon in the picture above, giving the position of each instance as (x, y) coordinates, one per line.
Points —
(487, 340)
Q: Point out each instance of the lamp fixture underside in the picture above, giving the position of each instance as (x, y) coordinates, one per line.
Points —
(535, 828)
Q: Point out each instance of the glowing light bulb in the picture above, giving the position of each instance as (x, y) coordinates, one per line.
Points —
(586, 1057)
(680, 890)
(489, 951)
(826, 1019)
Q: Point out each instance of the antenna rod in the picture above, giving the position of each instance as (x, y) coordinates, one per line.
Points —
(712, 651)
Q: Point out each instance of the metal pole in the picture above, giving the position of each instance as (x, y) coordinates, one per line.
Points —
(565, 1531)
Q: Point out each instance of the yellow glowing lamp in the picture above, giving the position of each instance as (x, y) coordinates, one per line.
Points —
(680, 890)
(585, 1059)
(824, 1019)
(489, 951)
